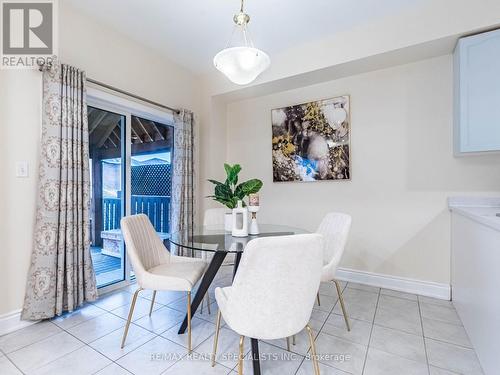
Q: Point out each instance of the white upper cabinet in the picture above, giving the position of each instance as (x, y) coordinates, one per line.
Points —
(477, 93)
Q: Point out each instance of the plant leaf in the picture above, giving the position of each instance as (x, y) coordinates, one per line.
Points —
(248, 187)
(232, 176)
(215, 182)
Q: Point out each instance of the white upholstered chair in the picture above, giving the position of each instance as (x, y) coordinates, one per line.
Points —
(274, 290)
(155, 268)
(335, 230)
(214, 217)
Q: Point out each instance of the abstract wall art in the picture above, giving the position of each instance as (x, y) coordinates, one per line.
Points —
(311, 141)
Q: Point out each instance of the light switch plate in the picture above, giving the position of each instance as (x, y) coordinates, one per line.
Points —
(22, 169)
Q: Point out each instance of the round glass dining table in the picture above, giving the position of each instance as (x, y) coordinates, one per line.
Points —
(216, 241)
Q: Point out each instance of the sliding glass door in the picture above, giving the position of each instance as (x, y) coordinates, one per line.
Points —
(131, 173)
(107, 166)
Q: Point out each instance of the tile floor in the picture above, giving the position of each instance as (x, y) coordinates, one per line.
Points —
(392, 333)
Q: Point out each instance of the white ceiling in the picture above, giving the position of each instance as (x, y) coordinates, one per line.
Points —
(191, 32)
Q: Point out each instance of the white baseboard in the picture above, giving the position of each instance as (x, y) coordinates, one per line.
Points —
(402, 284)
(11, 322)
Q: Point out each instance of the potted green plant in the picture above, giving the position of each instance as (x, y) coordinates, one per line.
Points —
(230, 192)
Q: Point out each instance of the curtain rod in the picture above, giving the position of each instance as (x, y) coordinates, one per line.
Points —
(41, 66)
(109, 87)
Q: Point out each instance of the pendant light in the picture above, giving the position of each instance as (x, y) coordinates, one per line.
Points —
(242, 63)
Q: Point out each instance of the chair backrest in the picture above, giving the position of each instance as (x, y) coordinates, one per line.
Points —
(335, 229)
(275, 287)
(144, 248)
(214, 217)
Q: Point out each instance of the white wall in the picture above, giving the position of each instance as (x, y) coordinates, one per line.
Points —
(426, 22)
(403, 168)
(105, 56)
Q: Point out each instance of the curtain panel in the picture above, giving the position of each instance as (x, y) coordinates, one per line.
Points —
(182, 202)
(61, 275)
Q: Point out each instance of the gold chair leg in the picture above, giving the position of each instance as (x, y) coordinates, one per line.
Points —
(317, 298)
(152, 303)
(342, 305)
(216, 338)
(130, 314)
(189, 320)
(288, 343)
(240, 357)
(313, 350)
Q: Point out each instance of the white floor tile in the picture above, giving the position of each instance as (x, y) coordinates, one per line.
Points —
(26, 336)
(7, 367)
(306, 368)
(195, 365)
(439, 371)
(113, 369)
(360, 304)
(274, 361)
(435, 301)
(442, 331)
(399, 343)
(180, 304)
(360, 330)
(452, 357)
(227, 349)
(361, 310)
(364, 287)
(161, 320)
(78, 316)
(98, 327)
(43, 352)
(113, 300)
(396, 345)
(84, 361)
(153, 358)
(395, 303)
(326, 303)
(164, 297)
(395, 293)
(200, 331)
(109, 345)
(439, 312)
(141, 309)
(382, 363)
(399, 319)
(340, 353)
(319, 316)
(329, 289)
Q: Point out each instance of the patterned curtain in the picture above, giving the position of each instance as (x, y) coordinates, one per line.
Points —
(61, 275)
(182, 202)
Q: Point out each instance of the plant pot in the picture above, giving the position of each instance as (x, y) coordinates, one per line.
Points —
(228, 222)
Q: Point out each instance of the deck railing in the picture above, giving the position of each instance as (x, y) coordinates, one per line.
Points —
(155, 207)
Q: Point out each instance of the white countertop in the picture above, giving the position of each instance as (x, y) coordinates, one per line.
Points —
(480, 209)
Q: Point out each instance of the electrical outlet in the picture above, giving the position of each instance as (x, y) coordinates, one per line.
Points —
(22, 169)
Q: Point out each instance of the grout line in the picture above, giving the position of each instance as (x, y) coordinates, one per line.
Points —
(371, 331)
(423, 337)
(36, 341)
(10, 360)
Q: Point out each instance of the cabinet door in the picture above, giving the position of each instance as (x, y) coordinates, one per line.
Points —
(477, 93)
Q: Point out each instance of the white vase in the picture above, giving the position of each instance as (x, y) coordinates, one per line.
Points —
(228, 222)
(240, 221)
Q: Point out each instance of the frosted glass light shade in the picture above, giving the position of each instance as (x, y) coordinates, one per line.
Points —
(241, 64)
